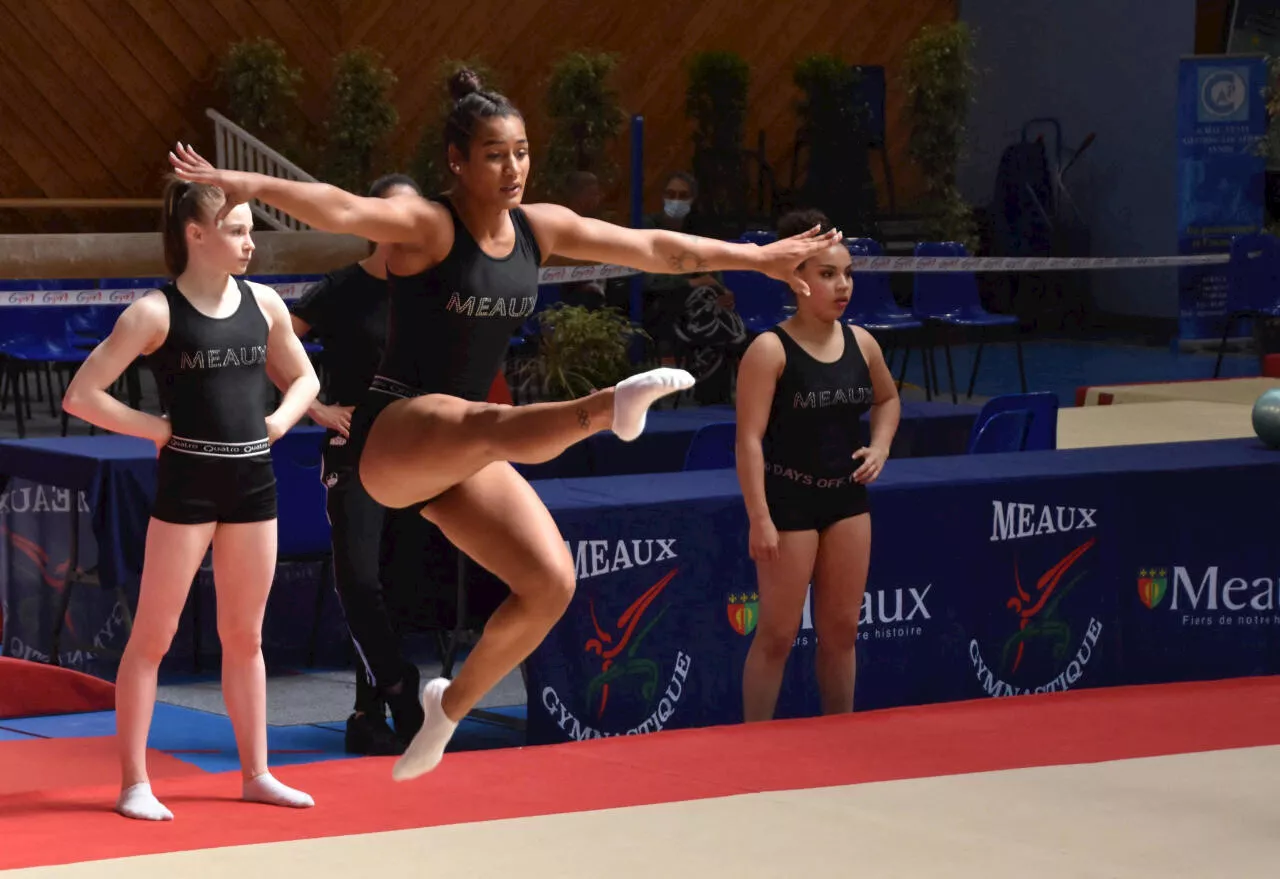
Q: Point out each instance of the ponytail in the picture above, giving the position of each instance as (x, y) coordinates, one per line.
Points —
(184, 203)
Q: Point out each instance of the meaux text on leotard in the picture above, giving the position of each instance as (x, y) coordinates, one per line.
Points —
(815, 421)
(212, 378)
(450, 325)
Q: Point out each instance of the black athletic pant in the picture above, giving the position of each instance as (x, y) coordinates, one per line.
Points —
(358, 524)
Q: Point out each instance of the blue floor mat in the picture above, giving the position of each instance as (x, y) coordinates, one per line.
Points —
(8, 735)
(197, 737)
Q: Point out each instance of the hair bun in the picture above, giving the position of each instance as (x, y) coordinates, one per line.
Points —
(463, 83)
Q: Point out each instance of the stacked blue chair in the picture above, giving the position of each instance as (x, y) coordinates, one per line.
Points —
(35, 339)
(950, 300)
(1253, 284)
(1035, 424)
(873, 307)
(1003, 432)
(713, 447)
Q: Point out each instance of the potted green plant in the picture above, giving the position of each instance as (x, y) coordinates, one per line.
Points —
(834, 125)
(260, 92)
(586, 115)
(579, 350)
(716, 101)
(361, 117)
(429, 161)
(939, 76)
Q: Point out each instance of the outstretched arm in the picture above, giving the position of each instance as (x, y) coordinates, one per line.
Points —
(660, 251)
(138, 331)
(401, 219)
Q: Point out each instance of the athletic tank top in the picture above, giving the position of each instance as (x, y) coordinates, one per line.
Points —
(212, 378)
(450, 325)
(815, 421)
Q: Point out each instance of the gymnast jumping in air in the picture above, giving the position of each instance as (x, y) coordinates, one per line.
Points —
(212, 341)
(464, 276)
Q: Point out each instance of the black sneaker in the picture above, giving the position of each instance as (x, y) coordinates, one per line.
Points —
(406, 706)
(370, 735)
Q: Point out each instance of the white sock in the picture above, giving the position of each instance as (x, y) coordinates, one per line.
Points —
(139, 802)
(633, 396)
(427, 747)
(265, 788)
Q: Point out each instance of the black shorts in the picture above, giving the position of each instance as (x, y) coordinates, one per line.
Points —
(382, 394)
(193, 489)
(798, 507)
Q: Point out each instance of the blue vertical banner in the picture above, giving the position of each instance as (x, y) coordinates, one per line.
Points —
(1221, 176)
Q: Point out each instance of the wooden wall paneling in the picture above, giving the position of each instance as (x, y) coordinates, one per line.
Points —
(85, 34)
(131, 76)
(189, 42)
(63, 108)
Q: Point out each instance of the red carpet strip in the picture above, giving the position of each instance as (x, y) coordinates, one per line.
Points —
(358, 796)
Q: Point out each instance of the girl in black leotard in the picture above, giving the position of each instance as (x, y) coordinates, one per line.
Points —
(212, 340)
(804, 470)
(463, 277)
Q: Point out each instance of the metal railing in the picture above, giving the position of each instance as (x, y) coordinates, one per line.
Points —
(238, 150)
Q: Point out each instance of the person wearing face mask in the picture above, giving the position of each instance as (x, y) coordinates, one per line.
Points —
(804, 468)
(691, 316)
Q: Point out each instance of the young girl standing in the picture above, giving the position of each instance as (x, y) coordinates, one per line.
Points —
(212, 341)
(804, 468)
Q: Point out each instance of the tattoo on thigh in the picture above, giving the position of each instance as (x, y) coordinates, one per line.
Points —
(584, 418)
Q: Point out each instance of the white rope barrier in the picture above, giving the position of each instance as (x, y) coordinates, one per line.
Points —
(1027, 263)
(575, 274)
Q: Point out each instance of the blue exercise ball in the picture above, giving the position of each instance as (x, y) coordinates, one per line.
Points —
(1266, 418)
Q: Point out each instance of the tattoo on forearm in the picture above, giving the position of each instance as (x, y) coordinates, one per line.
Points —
(688, 262)
(584, 418)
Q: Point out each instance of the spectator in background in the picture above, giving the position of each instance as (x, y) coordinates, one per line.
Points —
(691, 317)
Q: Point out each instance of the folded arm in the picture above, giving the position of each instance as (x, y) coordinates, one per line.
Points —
(288, 366)
(137, 332)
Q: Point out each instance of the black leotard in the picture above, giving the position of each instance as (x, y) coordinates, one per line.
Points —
(815, 426)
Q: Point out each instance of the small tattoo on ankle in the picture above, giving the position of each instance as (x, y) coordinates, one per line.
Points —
(584, 419)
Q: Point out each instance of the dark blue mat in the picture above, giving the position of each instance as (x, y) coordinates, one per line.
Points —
(197, 737)
(7, 735)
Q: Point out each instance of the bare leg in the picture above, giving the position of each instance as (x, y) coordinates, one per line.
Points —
(244, 559)
(783, 581)
(840, 580)
(497, 519)
(244, 563)
(419, 448)
(173, 555)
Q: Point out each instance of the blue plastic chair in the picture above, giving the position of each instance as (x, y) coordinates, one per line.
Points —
(951, 299)
(37, 339)
(1002, 432)
(1041, 409)
(873, 307)
(761, 301)
(713, 447)
(1253, 284)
